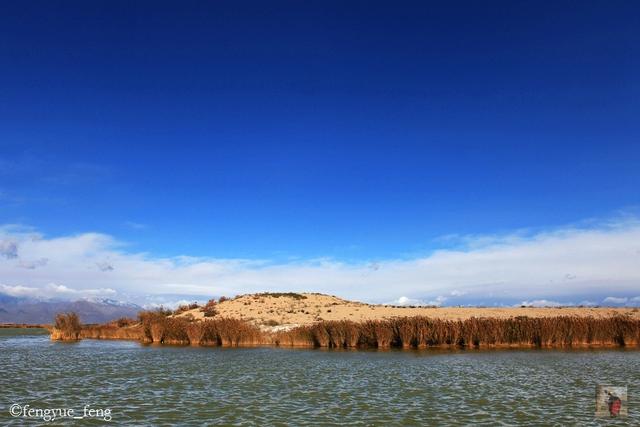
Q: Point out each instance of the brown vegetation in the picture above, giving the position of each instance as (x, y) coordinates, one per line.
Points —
(225, 332)
(210, 308)
(66, 327)
(404, 332)
(185, 307)
(423, 332)
(112, 331)
(293, 295)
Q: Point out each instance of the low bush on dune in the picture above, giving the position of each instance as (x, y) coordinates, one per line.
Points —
(185, 307)
(210, 309)
(293, 295)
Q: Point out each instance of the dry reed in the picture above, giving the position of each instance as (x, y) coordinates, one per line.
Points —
(66, 327)
(423, 332)
(404, 332)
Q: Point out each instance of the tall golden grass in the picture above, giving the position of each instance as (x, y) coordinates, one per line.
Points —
(424, 332)
(406, 332)
(158, 328)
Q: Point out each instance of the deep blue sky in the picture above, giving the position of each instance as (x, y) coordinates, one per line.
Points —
(356, 130)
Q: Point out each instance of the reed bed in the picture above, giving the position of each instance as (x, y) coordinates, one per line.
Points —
(157, 328)
(111, 331)
(424, 332)
(405, 332)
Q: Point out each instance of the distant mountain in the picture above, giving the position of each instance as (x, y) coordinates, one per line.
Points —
(27, 310)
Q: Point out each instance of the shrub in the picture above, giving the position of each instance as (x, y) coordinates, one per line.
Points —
(210, 309)
(293, 295)
(66, 327)
(124, 321)
(185, 307)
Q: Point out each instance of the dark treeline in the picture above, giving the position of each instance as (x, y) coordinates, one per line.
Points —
(406, 332)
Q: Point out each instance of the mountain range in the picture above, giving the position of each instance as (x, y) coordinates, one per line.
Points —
(36, 311)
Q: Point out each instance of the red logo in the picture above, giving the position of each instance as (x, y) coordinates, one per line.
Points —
(614, 404)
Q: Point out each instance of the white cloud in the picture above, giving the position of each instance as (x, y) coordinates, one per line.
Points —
(438, 301)
(53, 290)
(568, 264)
(615, 300)
(19, 291)
(405, 301)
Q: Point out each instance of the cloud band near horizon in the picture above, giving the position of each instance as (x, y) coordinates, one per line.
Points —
(598, 264)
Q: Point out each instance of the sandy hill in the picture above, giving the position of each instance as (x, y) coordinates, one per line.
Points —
(285, 310)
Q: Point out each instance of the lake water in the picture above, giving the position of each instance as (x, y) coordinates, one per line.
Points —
(271, 386)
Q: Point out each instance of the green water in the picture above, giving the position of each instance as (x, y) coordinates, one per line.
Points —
(151, 385)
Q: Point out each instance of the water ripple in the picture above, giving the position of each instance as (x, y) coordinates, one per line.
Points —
(270, 386)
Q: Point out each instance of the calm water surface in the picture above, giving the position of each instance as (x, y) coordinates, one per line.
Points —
(145, 385)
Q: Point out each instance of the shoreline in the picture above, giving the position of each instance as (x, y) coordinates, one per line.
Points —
(26, 326)
(315, 320)
(401, 333)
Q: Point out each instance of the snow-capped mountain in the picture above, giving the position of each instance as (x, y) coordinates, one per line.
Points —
(94, 310)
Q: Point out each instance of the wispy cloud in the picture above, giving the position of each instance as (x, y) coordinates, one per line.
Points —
(615, 300)
(135, 225)
(53, 290)
(597, 262)
(32, 264)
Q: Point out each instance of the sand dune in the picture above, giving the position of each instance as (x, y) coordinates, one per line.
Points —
(279, 311)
